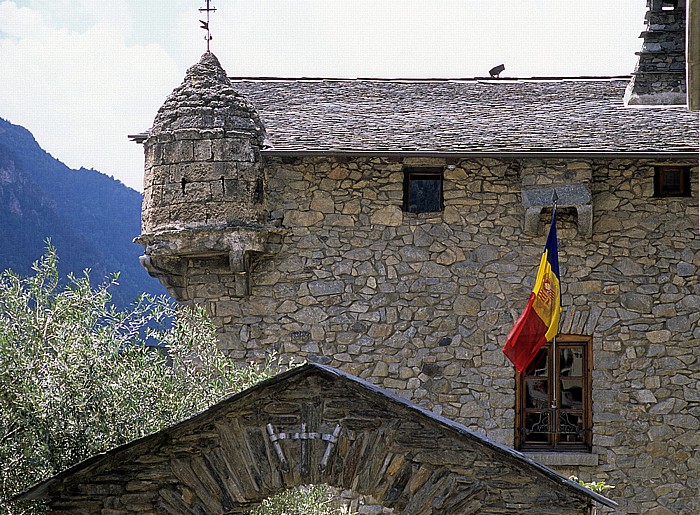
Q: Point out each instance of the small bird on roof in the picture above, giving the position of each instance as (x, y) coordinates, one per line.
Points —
(496, 71)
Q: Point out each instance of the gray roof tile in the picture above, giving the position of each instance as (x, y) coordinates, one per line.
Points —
(554, 115)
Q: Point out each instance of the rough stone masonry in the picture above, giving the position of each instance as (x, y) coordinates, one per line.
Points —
(312, 256)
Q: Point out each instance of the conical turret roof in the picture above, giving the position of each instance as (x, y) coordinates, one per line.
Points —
(206, 99)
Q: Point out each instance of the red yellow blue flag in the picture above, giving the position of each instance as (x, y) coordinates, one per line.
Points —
(539, 322)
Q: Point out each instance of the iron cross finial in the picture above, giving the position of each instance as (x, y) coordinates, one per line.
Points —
(205, 24)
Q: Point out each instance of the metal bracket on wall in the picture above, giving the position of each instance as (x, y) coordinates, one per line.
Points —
(330, 438)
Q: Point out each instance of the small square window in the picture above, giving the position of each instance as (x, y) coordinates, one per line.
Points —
(672, 181)
(422, 190)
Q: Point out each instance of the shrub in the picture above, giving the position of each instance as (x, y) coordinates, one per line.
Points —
(78, 377)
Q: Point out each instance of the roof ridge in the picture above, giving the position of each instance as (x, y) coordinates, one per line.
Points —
(581, 78)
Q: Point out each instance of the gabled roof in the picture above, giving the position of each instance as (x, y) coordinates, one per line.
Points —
(366, 408)
(584, 115)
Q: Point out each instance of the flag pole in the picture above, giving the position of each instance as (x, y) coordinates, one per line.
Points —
(554, 339)
(539, 322)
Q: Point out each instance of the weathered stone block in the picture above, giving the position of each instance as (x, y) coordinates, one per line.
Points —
(637, 302)
(391, 216)
(302, 218)
(178, 151)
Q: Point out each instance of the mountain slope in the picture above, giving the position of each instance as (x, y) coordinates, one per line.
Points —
(90, 218)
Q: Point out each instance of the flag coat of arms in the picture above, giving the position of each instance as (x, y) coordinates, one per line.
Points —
(539, 322)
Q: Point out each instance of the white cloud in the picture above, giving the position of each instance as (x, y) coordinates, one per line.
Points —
(81, 74)
(442, 38)
(81, 93)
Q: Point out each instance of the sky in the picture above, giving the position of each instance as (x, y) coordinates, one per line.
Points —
(83, 74)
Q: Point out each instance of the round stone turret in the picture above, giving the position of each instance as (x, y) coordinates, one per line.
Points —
(205, 188)
(203, 156)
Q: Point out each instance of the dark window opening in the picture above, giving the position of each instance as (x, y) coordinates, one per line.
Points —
(672, 181)
(553, 398)
(422, 190)
(669, 5)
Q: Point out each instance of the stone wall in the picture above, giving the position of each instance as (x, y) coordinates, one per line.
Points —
(208, 176)
(313, 426)
(421, 303)
(659, 77)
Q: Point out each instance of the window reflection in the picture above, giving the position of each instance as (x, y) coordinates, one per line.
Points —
(571, 394)
(537, 427)
(558, 373)
(537, 394)
(540, 365)
(571, 362)
(571, 427)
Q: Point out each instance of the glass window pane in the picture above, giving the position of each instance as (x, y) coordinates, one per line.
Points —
(540, 365)
(571, 362)
(424, 193)
(571, 427)
(544, 425)
(671, 180)
(571, 394)
(537, 395)
(537, 427)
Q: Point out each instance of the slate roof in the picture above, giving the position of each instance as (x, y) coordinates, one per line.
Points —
(41, 489)
(464, 116)
(206, 99)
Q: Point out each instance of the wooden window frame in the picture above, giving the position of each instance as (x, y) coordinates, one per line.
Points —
(556, 440)
(410, 174)
(660, 189)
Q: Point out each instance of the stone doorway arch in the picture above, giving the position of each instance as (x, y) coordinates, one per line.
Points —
(313, 425)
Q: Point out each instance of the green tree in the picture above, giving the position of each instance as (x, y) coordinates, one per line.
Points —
(305, 500)
(78, 377)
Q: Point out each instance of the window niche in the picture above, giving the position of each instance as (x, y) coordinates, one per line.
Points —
(422, 190)
(553, 398)
(671, 181)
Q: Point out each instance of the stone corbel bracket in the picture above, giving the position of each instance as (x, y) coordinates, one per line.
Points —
(167, 252)
(569, 195)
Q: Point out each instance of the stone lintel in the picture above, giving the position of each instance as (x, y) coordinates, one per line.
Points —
(569, 195)
(564, 459)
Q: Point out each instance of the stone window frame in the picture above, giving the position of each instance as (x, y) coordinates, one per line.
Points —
(415, 172)
(683, 183)
(555, 441)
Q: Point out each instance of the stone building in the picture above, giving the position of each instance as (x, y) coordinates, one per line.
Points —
(392, 229)
(314, 425)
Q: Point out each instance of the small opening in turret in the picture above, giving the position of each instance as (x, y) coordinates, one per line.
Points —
(183, 183)
(223, 185)
(259, 193)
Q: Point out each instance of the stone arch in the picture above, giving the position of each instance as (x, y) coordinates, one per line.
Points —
(314, 425)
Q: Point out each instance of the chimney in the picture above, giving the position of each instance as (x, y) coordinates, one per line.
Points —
(659, 78)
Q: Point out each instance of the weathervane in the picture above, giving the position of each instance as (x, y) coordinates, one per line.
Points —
(205, 24)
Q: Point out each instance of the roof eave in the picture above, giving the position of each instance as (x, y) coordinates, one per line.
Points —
(41, 490)
(536, 154)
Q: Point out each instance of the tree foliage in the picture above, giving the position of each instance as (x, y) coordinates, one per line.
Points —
(305, 500)
(78, 377)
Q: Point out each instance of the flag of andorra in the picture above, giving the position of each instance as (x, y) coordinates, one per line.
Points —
(539, 322)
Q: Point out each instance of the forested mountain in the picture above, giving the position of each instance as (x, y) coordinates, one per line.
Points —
(89, 217)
